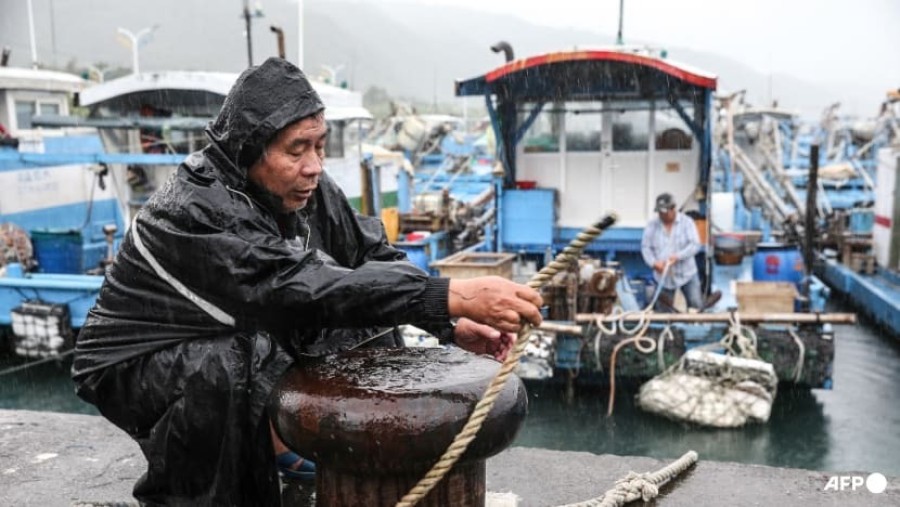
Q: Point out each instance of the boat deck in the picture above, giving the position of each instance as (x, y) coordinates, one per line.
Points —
(877, 296)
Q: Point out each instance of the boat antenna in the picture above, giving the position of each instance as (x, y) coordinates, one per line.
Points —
(619, 40)
(506, 48)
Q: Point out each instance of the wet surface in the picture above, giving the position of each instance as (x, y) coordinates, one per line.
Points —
(387, 410)
(60, 460)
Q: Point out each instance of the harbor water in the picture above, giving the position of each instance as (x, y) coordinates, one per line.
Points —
(853, 427)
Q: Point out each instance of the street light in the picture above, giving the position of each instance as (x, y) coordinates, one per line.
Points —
(136, 41)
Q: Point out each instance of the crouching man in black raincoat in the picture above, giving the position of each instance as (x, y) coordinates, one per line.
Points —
(248, 258)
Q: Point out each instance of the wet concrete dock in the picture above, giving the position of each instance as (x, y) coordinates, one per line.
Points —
(52, 459)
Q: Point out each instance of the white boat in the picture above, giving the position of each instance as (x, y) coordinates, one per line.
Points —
(166, 111)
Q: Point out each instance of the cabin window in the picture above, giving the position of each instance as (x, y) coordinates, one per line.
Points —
(50, 108)
(25, 110)
(334, 144)
(671, 132)
(583, 126)
(543, 135)
(631, 131)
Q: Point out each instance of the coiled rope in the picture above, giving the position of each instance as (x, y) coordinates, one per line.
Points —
(483, 407)
(642, 343)
(636, 486)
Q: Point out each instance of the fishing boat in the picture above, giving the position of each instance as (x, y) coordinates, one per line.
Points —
(586, 130)
(767, 187)
(58, 211)
(860, 257)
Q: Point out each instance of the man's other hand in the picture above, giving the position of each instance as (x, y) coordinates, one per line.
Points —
(481, 339)
(495, 301)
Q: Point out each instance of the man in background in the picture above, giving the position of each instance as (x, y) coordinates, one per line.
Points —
(669, 244)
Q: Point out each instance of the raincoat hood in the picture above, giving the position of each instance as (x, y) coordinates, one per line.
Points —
(263, 100)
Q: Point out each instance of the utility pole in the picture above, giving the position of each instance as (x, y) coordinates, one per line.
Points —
(248, 16)
(247, 29)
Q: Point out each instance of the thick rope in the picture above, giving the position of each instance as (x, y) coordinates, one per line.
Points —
(801, 355)
(640, 486)
(740, 340)
(483, 407)
(636, 340)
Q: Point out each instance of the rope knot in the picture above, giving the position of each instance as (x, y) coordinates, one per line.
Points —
(636, 485)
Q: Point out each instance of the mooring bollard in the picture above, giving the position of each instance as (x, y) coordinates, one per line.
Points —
(375, 421)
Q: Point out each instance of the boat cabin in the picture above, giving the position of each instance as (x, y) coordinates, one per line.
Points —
(585, 131)
(25, 93)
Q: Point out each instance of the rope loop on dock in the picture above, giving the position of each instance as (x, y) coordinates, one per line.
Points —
(643, 487)
(461, 442)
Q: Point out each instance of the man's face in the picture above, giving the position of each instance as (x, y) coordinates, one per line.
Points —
(291, 164)
(667, 216)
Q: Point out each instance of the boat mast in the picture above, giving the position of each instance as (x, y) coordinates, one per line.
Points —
(619, 40)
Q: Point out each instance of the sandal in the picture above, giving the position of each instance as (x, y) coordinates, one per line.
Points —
(291, 465)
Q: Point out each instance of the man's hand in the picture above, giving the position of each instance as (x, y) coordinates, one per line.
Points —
(495, 301)
(481, 339)
(660, 266)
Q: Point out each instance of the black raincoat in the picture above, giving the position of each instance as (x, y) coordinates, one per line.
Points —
(215, 292)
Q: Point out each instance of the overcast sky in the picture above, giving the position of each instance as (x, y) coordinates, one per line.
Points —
(839, 40)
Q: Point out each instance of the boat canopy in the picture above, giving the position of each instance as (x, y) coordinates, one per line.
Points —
(14, 78)
(196, 94)
(590, 74)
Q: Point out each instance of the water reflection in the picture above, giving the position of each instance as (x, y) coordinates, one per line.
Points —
(46, 387)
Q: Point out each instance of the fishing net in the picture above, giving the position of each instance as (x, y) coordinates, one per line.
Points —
(712, 389)
(15, 246)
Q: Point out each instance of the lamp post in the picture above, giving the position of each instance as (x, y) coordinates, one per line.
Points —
(34, 62)
(136, 41)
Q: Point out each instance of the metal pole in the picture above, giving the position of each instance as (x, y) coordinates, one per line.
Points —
(619, 40)
(812, 187)
(34, 60)
(249, 35)
(134, 56)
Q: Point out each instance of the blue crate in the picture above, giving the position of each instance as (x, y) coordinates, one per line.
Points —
(58, 251)
(568, 351)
